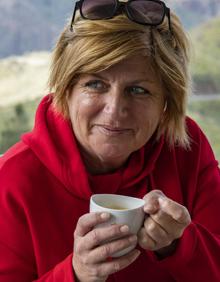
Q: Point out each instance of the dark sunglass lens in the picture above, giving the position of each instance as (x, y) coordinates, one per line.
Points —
(98, 9)
(148, 12)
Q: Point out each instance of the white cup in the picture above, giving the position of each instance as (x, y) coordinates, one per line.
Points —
(123, 209)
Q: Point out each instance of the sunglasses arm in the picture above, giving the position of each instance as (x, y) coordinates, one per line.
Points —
(76, 7)
(169, 20)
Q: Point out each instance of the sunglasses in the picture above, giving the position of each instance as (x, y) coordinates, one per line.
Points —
(145, 12)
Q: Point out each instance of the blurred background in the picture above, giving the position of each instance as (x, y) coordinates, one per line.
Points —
(28, 32)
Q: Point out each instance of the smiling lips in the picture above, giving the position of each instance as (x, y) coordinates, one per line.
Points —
(113, 131)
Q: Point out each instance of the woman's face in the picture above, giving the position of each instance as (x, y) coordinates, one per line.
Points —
(115, 112)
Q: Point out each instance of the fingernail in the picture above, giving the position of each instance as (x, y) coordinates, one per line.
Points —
(105, 215)
(124, 229)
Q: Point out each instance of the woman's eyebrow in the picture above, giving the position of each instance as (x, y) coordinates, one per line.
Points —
(142, 80)
(98, 76)
(145, 79)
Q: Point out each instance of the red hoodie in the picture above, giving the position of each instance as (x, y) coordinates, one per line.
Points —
(45, 188)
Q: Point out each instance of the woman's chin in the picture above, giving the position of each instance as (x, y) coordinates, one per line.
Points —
(113, 155)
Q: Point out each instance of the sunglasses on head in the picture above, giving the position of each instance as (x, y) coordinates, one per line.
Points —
(145, 12)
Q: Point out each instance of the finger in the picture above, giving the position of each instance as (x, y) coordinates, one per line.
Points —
(157, 233)
(105, 251)
(170, 225)
(88, 221)
(97, 236)
(117, 264)
(151, 201)
(145, 241)
(178, 212)
(173, 228)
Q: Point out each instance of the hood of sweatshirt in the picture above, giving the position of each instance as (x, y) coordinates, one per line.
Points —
(53, 142)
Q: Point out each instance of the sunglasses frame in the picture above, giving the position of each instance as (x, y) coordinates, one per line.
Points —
(121, 7)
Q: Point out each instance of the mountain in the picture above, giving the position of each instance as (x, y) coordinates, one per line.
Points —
(33, 25)
(195, 12)
(29, 25)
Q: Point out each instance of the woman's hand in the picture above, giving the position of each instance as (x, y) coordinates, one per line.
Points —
(90, 259)
(165, 223)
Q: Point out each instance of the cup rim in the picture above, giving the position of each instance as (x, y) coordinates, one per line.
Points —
(141, 201)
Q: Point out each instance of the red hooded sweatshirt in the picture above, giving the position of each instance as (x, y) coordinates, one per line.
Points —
(45, 188)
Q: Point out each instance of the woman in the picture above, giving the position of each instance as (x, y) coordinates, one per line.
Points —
(115, 123)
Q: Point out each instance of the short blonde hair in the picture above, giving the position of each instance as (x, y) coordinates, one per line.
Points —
(93, 46)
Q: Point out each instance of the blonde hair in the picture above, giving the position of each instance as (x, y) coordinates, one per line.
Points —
(93, 46)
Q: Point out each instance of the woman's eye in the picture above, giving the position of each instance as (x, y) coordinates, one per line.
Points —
(96, 85)
(137, 90)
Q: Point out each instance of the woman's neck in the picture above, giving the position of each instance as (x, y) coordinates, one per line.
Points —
(96, 165)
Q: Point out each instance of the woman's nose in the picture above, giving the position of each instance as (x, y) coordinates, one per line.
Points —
(116, 104)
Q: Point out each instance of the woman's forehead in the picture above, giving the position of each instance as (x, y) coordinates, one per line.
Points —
(135, 67)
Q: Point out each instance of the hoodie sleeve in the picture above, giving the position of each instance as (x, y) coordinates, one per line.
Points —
(197, 257)
(61, 272)
(16, 259)
(17, 250)
(15, 268)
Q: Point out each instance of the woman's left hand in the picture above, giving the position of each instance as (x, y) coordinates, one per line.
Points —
(164, 224)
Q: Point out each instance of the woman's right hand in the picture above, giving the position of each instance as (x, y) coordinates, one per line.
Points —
(90, 257)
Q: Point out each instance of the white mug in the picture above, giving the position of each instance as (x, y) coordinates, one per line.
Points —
(123, 209)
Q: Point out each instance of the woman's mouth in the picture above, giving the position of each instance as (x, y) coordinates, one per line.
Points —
(113, 131)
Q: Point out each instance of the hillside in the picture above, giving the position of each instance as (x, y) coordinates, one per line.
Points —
(206, 63)
(28, 25)
(23, 78)
(194, 13)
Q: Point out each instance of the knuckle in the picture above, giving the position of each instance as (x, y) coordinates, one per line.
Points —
(95, 236)
(81, 220)
(116, 266)
(95, 271)
(77, 248)
(158, 192)
(181, 214)
(100, 272)
(84, 260)
(151, 227)
(106, 250)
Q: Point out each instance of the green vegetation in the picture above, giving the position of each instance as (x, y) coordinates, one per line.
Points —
(206, 114)
(14, 121)
(206, 63)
